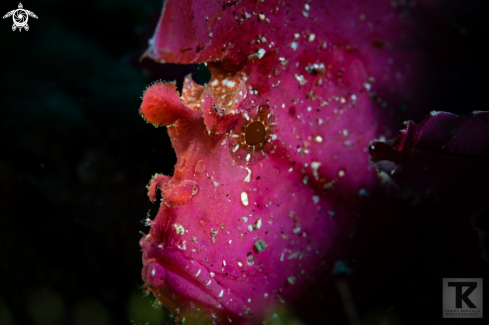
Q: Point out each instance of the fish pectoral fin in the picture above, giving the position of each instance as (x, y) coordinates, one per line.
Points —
(26, 27)
(13, 27)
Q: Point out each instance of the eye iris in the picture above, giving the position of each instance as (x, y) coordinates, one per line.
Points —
(255, 133)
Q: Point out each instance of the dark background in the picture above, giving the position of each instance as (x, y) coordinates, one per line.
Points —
(75, 158)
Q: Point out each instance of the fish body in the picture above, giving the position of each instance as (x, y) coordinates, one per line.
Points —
(272, 167)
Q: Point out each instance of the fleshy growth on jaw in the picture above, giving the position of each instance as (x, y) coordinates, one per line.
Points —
(161, 104)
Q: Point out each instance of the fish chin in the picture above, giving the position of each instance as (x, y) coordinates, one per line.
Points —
(186, 287)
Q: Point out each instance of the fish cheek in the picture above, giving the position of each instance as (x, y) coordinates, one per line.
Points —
(251, 138)
(176, 195)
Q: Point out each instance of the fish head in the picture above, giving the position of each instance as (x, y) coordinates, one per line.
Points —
(272, 162)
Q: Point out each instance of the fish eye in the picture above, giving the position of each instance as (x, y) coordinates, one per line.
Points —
(255, 133)
(251, 137)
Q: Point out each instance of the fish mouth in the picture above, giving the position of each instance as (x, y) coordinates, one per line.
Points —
(178, 282)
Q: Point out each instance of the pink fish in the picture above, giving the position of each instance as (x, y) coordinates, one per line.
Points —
(272, 153)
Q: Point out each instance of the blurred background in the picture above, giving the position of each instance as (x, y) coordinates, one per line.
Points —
(75, 158)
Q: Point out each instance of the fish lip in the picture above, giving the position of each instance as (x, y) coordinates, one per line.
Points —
(189, 280)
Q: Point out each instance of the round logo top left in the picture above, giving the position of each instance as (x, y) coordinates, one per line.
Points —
(20, 17)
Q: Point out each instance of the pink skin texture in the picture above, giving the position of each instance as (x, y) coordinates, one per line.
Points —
(244, 228)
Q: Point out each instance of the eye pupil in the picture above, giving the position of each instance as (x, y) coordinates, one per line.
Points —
(255, 133)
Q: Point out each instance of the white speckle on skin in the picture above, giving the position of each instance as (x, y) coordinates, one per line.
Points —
(210, 35)
(305, 13)
(290, 169)
(261, 16)
(293, 255)
(240, 264)
(216, 184)
(250, 228)
(367, 86)
(258, 223)
(273, 136)
(259, 54)
(208, 283)
(244, 199)
(354, 97)
(320, 121)
(341, 173)
(221, 294)
(198, 272)
(296, 36)
(315, 165)
(311, 37)
(214, 83)
(318, 139)
(248, 177)
(265, 295)
(302, 81)
(281, 59)
(315, 199)
(236, 148)
(248, 156)
(294, 45)
(230, 241)
(183, 247)
(307, 7)
(212, 274)
(223, 142)
(153, 272)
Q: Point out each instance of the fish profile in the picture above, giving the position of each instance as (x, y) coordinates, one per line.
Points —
(272, 153)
